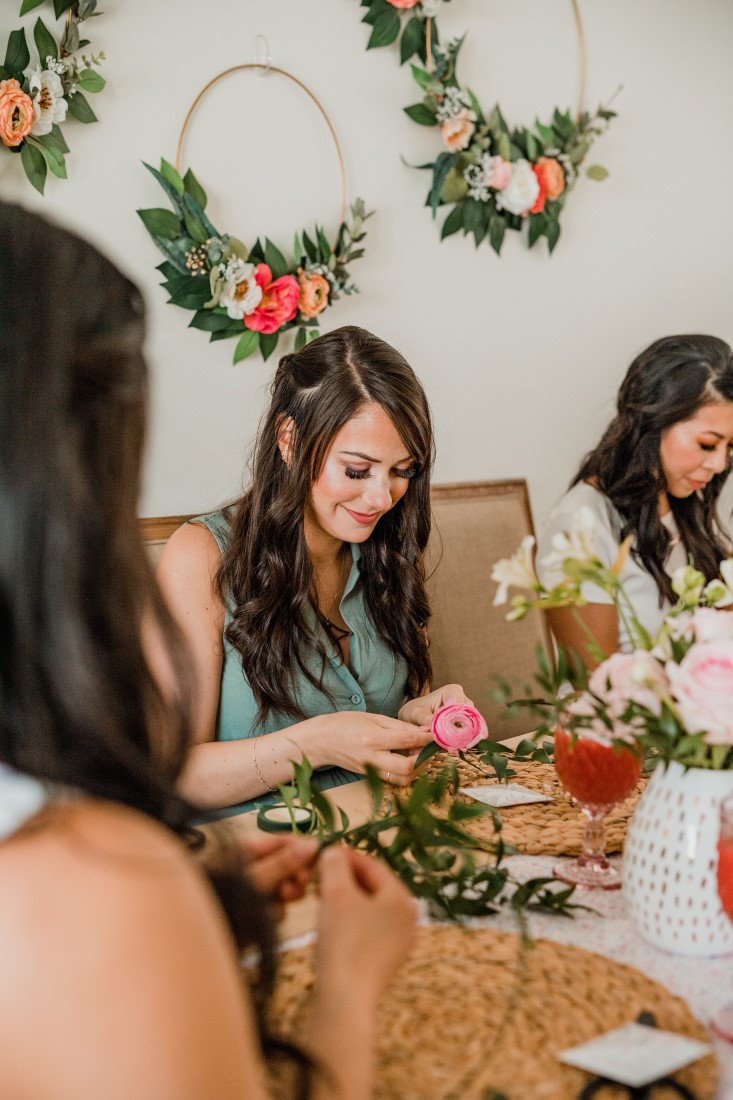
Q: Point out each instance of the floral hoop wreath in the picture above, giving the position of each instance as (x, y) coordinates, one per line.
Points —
(33, 102)
(496, 178)
(253, 294)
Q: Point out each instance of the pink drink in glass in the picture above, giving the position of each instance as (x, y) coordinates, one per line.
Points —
(597, 777)
(722, 1024)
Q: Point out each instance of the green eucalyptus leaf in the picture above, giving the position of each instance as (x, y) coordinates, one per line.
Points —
(34, 165)
(453, 222)
(91, 81)
(497, 229)
(45, 42)
(552, 233)
(275, 260)
(386, 28)
(300, 339)
(413, 38)
(80, 109)
(17, 57)
(247, 344)
(209, 321)
(454, 188)
(195, 227)
(60, 6)
(55, 161)
(171, 174)
(422, 114)
(29, 5)
(596, 172)
(268, 343)
(310, 249)
(194, 189)
(161, 223)
(197, 213)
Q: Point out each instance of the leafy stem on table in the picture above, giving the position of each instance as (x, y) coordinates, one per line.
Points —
(421, 834)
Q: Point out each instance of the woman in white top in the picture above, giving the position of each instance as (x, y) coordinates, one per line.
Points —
(657, 474)
(119, 954)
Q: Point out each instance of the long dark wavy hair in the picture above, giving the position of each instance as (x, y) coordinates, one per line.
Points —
(665, 384)
(266, 576)
(78, 704)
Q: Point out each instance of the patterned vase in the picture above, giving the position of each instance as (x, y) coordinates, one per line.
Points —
(670, 862)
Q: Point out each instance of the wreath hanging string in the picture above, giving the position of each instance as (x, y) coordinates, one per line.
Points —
(254, 294)
(494, 177)
(35, 102)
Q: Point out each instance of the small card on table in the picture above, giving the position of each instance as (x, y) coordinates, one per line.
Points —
(505, 794)
(635, 1055)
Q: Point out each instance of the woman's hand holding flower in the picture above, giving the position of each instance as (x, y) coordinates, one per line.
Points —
(421, 711)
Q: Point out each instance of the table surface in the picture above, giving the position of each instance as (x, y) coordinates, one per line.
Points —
(706, 984)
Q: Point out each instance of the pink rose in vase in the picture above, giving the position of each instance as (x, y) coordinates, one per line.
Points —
(458, 727)
(279, 302)
(702, 686)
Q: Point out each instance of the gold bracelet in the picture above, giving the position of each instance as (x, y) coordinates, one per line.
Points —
(272, 790)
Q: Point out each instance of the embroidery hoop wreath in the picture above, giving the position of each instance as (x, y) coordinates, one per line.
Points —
(496, 178)
(33, 104)
(256, 294)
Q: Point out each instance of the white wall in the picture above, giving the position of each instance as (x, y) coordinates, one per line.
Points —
(521, 356)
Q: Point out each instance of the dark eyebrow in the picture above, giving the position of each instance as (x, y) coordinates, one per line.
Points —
(709, 431)
(376, 461)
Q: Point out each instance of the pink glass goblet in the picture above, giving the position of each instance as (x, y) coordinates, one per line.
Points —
(597, 777)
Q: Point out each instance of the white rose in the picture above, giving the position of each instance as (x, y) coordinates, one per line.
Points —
(520, 194)
(49, 106)
(240, 293)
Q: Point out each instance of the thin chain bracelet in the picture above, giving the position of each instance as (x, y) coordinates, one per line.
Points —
(272, 790)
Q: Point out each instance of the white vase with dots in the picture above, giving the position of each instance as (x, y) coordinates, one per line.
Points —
(670, 862)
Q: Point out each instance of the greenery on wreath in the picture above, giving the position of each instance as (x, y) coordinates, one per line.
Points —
(256, 294)
(494, 177)
(35, 100)
(421, 835)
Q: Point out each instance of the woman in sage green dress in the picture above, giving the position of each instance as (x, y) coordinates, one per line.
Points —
(304, 602)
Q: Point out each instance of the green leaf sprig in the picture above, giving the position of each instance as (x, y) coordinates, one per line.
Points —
(422, 836)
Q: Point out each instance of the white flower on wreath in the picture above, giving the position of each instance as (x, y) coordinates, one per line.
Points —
(520, 194)
(454, 101)
(49, 105)
(240, 294)
(579, 543)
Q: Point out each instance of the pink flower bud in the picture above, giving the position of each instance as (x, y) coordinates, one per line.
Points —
(458, 727)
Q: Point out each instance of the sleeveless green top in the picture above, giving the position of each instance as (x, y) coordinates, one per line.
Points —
(376, 682)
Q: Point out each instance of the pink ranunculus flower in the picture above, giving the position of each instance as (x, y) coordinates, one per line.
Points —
(403, 3)
(551, 176)
(279, 302)
(458, 130)
(458, 727)
(16, 113)
(702, 685)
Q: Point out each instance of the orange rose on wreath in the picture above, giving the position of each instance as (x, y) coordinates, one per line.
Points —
(314, 290)
(279, 302)
(551, 179)
(16, 113)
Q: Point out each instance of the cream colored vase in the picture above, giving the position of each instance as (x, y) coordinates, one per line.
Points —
(670, 862)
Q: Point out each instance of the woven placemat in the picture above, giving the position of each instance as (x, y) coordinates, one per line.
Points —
(540, 828)
(472, 1012)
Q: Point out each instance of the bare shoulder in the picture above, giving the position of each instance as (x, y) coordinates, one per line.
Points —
(191, 547)
(74, 857)
(108, 930)
(187, 577)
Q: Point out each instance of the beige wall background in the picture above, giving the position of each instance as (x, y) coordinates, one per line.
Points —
(521, 356)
